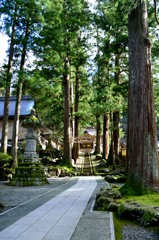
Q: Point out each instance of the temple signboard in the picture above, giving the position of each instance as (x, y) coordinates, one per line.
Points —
(86, 145)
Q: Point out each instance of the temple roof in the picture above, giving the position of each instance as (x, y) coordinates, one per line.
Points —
(26, 104)
(90, 130)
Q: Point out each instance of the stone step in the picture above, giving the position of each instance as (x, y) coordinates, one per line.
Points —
(87, 167)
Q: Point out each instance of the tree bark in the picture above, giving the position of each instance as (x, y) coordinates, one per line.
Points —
(116, 127)
(98, 134)
(77, 84)
(143, 163)
(111, 157)
(67, 115)
(8, 84)
(116, 115)
(105, 136)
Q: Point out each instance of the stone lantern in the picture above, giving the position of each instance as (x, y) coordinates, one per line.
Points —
(30, 172)
(32, 124)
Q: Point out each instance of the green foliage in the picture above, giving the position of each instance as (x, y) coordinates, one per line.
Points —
(31, 121)
(5, 159)
(5, 165)
(59, 36)
(110, 85)
(126, 6)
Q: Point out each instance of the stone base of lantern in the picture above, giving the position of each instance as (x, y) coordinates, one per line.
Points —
(29, 174)
(31, 157)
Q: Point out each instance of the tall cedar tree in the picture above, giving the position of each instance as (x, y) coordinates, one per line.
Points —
(57, 50)
(67, 114)
(28, 21)
(18, 97)
(143, 162)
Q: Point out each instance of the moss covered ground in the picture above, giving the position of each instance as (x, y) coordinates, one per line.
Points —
(148, 199)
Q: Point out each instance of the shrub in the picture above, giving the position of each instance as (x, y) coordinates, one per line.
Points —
(5, 165)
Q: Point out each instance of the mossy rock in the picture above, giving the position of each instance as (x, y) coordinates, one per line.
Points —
(113, 206)
(150, 218)
(102, 204)
(115, 178)
(106, 197)
(145, 215)
(109, 192)
(130, 210)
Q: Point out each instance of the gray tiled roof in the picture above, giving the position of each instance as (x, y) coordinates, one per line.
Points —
(26, 105)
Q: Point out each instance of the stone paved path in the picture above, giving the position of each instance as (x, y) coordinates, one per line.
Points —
(58, 218)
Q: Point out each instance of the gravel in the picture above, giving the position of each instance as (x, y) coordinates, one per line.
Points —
(14, 196)
(138, 233)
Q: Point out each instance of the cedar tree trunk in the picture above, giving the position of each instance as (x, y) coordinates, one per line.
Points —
(75, 147)
(116, 126)
(98, 134)
(8, 84)
(18, 99)
(143, 164)
(106, 136)
(67, 123)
